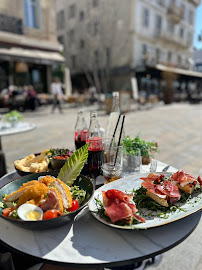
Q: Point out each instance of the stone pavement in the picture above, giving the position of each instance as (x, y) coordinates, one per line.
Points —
(177, 128)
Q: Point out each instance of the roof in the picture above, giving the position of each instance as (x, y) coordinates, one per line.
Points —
(179, 71)
(33, 56)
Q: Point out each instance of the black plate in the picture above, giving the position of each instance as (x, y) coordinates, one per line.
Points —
(82, 181)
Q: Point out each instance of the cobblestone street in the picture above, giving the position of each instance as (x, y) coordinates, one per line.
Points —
(177, 129)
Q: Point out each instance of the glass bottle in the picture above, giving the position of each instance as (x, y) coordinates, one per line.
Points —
(113, 118)
(81, 130)
(95, 151)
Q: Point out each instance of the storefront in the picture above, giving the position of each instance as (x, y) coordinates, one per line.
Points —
(28, 67)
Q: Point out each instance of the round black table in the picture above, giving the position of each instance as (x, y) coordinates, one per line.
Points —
(86, 242)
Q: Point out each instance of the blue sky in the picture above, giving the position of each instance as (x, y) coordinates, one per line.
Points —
(198, 27)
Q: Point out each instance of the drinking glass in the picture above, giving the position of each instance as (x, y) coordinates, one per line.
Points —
(112, 163)
(132, 161)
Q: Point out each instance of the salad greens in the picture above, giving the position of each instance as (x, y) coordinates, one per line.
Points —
(73, 166)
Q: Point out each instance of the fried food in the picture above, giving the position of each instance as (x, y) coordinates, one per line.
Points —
(47, 180)
(16, 194)
(32, 192)
(36, 201)
(33, 163)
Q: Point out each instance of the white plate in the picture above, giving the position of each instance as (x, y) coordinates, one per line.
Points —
(127, 184)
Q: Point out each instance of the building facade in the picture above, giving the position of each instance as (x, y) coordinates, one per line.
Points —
(123, 37)
(28, 43)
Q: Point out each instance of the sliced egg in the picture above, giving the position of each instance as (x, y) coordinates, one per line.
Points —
(30, 212)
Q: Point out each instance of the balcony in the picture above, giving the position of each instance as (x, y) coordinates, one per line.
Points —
(171, 38)
(11, 24)
(175, 13)
(195, 2)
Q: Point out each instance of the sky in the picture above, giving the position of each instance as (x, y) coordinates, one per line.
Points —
(198, 27)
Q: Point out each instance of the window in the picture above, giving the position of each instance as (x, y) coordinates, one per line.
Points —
(61, 39)
(169, 56)
(182, 32)
(144, 49)
(82, 44)
(189, 38)
(32, 13)
(60, 19)
(171, 27)
(158, 23)
(73, 60)
(191, 17)
(145, 21)
(183, 10)
(161, 2)
(158, 54)
(96, 55)
(179, 60)
(81, 15)
(72, 11)
(70, 36)
(96, 28)
(108, 55)
(95, 3)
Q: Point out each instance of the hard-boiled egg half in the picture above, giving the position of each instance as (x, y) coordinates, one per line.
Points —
(30, 212)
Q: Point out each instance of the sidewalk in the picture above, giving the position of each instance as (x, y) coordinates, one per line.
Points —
(177, 128)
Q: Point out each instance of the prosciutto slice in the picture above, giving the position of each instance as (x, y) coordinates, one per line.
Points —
(183, 178)
(165, 190)
(118, 205)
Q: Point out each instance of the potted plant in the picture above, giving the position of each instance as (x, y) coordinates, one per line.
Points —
(147, 149)
(13, 117)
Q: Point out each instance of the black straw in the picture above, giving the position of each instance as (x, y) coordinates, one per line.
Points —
(119, 139)
(115, 130)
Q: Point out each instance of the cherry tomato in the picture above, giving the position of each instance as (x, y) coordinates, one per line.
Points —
(50, 214)
(75, 206)
(7, 211)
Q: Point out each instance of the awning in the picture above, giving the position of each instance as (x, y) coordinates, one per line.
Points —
(179, 71)
(31, 56)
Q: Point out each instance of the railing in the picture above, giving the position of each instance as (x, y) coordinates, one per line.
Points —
(11, 24)
(175, 13)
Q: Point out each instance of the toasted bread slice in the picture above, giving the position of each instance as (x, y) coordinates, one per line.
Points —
(156, 198)
(189, 188)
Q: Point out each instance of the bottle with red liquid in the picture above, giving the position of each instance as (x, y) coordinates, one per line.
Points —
(80, 132)
(95, 151)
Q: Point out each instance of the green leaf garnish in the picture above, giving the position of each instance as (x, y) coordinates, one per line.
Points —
(72, 168)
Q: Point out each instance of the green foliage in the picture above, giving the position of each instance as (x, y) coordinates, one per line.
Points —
(146, 148)
(13, 116)
(73, 166)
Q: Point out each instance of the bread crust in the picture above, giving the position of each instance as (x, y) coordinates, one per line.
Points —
(189, 188)
(156, 198)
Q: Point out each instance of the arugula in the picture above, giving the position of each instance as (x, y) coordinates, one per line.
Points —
(73, 166)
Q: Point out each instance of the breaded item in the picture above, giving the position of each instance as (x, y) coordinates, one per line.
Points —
(32, 192)
(47, 180)
(16, 194)
(33, 163)
(156, 198)
(29, 183)
(36, 201)
(60, 203)
(65, 193)
(45, 152)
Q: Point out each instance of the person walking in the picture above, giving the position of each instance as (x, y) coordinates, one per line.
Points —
(57, 93)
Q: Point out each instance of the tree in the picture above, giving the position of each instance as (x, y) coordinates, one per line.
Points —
(103, 43)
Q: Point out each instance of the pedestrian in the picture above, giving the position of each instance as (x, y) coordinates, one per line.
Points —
(57, 93)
